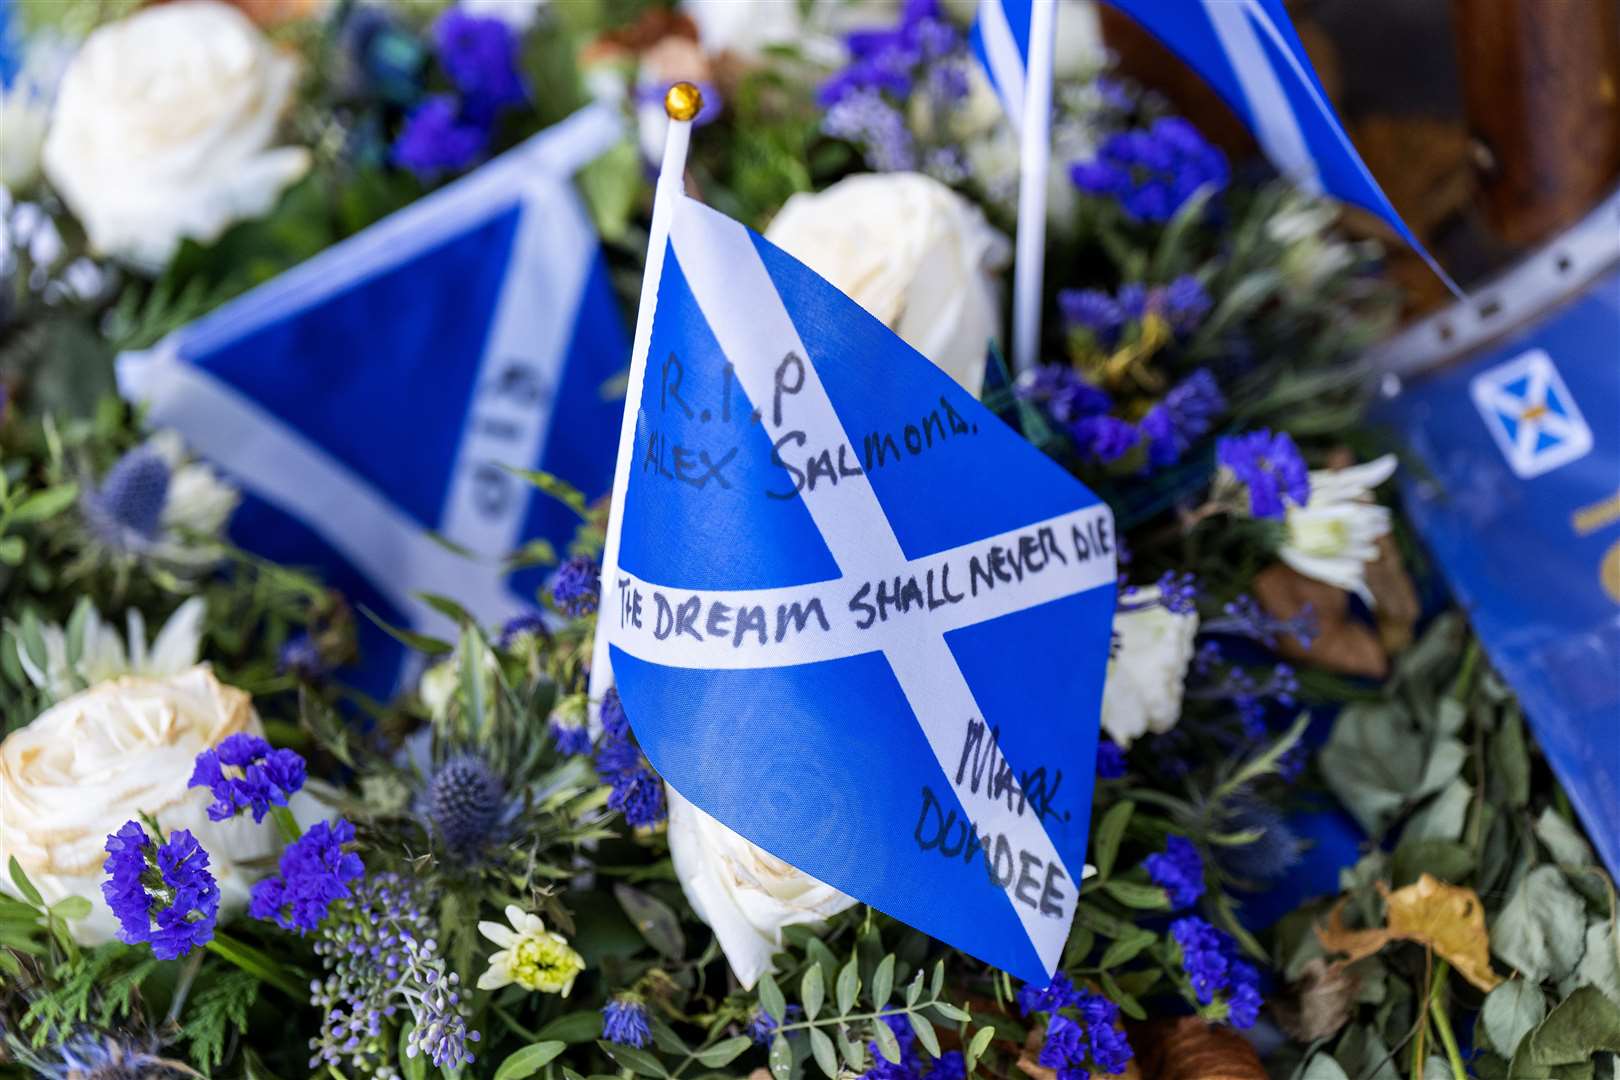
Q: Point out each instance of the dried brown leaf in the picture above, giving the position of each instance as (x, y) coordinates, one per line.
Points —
(1342, 644)
(1318, 1004)
(1446, 918)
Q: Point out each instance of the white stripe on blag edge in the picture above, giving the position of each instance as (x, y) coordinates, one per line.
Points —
(514, 393)
(282, 467)
(1006, 60)
(929, 596)
(1274, 122)
(751, 325)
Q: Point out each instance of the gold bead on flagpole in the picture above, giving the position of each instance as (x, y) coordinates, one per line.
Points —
(683, 101)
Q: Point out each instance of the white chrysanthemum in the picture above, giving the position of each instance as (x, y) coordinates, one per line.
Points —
(1335, 535)
(1148, 670)
(1311, 255)
(102, 653)
(530, 955)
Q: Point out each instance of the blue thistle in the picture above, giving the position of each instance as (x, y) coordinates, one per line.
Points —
(126, 510)
(1266, 858)
(464, 803)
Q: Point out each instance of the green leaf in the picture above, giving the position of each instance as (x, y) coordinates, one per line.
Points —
(1127, 1002)
(937, 983)
(1541, 930)
(821, 1048)
(1132, 894)
(887, 1044)
(781, 1058)
(849, 982)
(654, 918)
(853, 1053)
(1600, 966)
(575, 1027)
(560, 490)
(1127, 948)
(12, 550)
(770, 997)
(422, 643)
(1562, 840)
(953, 1013)
(1583, 1024)
(1448, 861)
(724, 1053)
(812, 991)
(1323, 1067)
(1511, 759)
(71, 907)
(46, 504)
(529, 1060)
(24, 886)
(637, 1061)
(979, 1044)
(883, 982)
(1110, 831)
(924, 1031)
(1373, 761)
(1511, 1012)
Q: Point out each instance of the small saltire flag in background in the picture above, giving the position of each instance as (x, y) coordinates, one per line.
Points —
(1000, 40)
(856, 618)
(1516, 491)
(367, 399)
(1249, 53)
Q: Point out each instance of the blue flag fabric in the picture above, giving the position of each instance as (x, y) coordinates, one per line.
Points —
(999, 39)
(840, 569)
(1518, 496)
(367, 399)
(1249, 53)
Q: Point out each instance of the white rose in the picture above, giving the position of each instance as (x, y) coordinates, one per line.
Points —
(1335, 534)
(163, 125)
(911, 252)
(1148, 670)
(744, 29)
(23, 116)
(744, 894)
(103, 757)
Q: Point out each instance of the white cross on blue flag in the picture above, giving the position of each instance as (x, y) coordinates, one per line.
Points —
(855, 617)
(367, 399)
(1249, 53)
(1000, 42)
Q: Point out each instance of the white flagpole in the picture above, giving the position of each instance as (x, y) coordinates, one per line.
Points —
(681, 103)
(1034, 157)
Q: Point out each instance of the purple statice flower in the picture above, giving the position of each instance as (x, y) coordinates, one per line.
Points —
(615, 725)
(125, 511)
(1060, 993)
(865, 118)
(761, 1027)
(1152, 173)
(521, 627)
(1135, 301)
(1270, 466)
(576, 587)
(1064, 392)
(301, 658)
(1110, 760)
(885, 58)
(1210, 959)
(1106, 438)
(1184, 303)
(1065, 1043)
(1093, 310)
(1075, 1047)
(438, 138)
(464, 801)
(1182, 417)
(1245, 618)
(315, 872)
(1178, 870)
(479, 53)
(638, 794)
(950, 1065)
(1178, 593)
(160, 894)
(244, 773)
(568, 734)
(909, 1067)
(624, 1021)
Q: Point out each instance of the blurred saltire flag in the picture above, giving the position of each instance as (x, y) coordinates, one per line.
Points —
(367, 400)
(1516, 489)
(999, 39)
(837, 566)
(1249, 53)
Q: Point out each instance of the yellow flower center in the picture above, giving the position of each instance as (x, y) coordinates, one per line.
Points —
(1319, 536)
(545, 962)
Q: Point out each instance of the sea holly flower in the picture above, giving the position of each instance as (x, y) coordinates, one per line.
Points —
(529, 955)
(244, 773)
(156, 506)
(162, 894)
(1268, 465)
(315, 872)
(1178, 870)
(465, 801)
(624, 1021)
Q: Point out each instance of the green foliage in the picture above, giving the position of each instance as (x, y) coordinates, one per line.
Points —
(216, 1009)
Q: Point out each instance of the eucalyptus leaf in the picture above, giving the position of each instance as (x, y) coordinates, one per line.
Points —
(1511, 1012)
(1562, 840)
(1373, 762)
(1541, 930)
(1579, 1027)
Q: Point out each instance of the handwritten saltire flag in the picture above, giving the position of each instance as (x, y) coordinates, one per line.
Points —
(855, 617)
(367, 400)
(1000, 41)
(1250, 54)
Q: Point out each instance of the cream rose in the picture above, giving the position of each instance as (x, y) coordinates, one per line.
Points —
(1148, 671)
(107, 755)
(162, 128)
(910, 251)
(745, 895)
